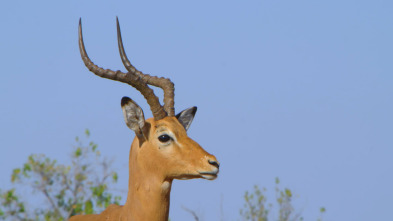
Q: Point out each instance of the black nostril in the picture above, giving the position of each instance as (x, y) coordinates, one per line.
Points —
(214, 163)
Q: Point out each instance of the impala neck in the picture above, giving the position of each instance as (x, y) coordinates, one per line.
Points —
(148, 192)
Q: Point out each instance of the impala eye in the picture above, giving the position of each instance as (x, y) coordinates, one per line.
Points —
(164, 138)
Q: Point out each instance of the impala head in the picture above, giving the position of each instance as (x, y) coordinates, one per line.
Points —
(161, 142)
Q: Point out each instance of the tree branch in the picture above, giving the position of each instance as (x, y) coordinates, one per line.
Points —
(193, 213)
(45, 191)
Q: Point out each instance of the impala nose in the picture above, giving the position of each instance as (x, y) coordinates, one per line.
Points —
(214, 163)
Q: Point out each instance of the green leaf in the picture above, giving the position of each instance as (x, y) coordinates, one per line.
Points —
(78, 208)
(15, 174)
(78, 152)
(322, 209)
(94, 147)
(288, 193)
(88, 207)
(10, 196)
(21, 207)
(114, 177)
(26, 167)
(80, 177)
(87, 132)
(16, 171)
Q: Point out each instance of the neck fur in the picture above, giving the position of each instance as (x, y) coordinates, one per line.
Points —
(148, 193)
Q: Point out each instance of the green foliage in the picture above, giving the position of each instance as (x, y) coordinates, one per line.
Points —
(257, 208)
(10, 205)
(67, 190)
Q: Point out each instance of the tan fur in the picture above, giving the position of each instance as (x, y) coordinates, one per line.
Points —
(152, 168)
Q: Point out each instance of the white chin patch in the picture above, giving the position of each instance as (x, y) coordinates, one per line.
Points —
(166, 185)
(209, 177)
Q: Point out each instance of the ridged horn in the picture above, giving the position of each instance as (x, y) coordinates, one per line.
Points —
(164, 83)
(130, 78)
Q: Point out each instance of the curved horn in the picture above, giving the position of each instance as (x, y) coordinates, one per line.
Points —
(164, 83)
(128, 78)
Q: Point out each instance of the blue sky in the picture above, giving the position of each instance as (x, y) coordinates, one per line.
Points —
(301, 90)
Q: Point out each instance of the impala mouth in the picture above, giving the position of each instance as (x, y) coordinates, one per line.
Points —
(209, 175)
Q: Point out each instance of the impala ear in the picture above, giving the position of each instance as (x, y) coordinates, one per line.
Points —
(185, 117)
(133, 115)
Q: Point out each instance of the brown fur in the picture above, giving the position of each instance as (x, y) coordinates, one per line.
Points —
(152, 168)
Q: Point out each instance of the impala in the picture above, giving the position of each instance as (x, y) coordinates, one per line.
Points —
(161, 150)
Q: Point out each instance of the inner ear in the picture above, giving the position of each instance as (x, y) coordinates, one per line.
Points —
(185, 117)
(133, 116)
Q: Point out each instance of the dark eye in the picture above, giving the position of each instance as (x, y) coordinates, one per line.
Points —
(164, 138)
